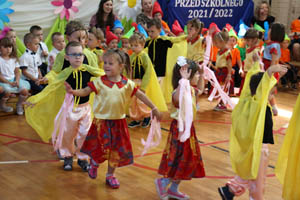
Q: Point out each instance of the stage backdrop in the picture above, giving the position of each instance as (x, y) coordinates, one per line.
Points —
(208, 11)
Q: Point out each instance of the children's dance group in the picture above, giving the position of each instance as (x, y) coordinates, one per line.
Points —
(83, 91)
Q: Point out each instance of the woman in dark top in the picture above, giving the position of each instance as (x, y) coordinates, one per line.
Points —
(146, 15)
(104, 16)
(262, 14)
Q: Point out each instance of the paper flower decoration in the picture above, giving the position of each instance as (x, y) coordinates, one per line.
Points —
(66, 8)
(5, 10)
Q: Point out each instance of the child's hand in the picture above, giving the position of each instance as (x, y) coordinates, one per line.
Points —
(44, 80)
(184, 72)
(281, 69)
(228, 78)
(38, 82)
(241, 72)
(51, 61)
(157, 114)
(68, 88)
(44, 54)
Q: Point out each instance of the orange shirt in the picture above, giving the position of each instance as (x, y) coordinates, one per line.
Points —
(235, 56)
(213, 53)
(295, 26)
(285, 55)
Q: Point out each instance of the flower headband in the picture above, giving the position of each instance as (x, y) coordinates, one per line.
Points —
(181, 61)
(4, 32)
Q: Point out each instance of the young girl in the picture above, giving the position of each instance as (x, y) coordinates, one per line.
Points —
(251, 132)
(272, 53)
(95, 39)
(144, 76)
(10, 76)
(108, 137)
(196, 44)
(223, 64)
(181, 159)
(111, 39)
(251, 39)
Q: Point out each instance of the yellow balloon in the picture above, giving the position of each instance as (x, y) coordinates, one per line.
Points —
(131, 3)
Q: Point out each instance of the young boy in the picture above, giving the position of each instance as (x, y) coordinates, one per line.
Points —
(158, 47)
(143, 75)
(58, 43)
(251, 132)
(30, 63)
(111, 39)
(43, 49)
(291, 75)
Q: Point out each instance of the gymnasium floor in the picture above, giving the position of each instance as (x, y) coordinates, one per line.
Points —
(30, 170)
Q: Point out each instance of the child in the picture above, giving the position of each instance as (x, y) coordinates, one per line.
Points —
(77, 118)
(143, 74)
(125, 41)
(111, 39)
(272, 53)
(108, 137)
(291, 75)
(196, 44)
(223, 64)
(158, 47)
(251, 132)
(43, 49)
(181, 160)
(58, 43)
(30, 63)
(158, 14)
(236, 60)
(75, 32)
(11, 34)
(10, 75)
(118, 31)
(95, 39)
(251, 39)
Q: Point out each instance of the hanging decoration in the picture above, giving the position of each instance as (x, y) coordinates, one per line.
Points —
(66, 8)
(4, 11)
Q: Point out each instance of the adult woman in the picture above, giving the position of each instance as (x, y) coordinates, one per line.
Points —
(104, 16)
(262, 15)
(146, 15)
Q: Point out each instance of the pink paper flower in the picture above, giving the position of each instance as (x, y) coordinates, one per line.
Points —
(66, 8)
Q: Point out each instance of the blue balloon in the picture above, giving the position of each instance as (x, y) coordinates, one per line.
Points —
(142, 30)
(267, 27)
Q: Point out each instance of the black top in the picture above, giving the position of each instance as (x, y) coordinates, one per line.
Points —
(161, 50)
(67, 63)
(138, 73)
(268, 132)
(270, 20)
(86, 76)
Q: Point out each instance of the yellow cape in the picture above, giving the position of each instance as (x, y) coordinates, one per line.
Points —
(179, 48)
(247, 129)
(59, 62)
(48, 102)
(149, 82)
(288, 164)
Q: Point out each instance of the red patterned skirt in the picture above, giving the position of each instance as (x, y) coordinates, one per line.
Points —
(221, 75)
(181, 160)
(109, 140)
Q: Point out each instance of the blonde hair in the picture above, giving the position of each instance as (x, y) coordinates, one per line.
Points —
(97, 32)
(137, 37)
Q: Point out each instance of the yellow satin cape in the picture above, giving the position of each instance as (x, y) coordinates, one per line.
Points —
(179, 48)
(150, 82)
(59, 62)
(247, 129)
(288, 164)
(48, 102)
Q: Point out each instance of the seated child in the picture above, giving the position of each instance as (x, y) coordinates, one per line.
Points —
(58, 43)
(43, 49)
(10, 76)
(30, 63)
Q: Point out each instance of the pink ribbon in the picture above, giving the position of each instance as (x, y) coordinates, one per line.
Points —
(210, 76)
(4, 32)
(154, 136)
(185, 115)
(60, 121)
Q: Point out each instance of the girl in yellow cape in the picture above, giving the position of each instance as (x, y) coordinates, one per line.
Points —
(75, 32)
(143, 74)
(77, 118)
(251, 132)
(288, 165)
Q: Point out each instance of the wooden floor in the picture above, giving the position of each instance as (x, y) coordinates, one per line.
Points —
(39, 174)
